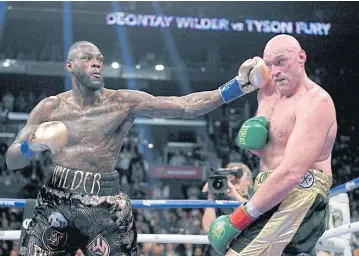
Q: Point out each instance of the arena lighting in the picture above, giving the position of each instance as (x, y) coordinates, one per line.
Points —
(180, 73)
(150, 145)
(138, 66)
(115, 64)
(6, 63)
(159, 67)
(68, 39)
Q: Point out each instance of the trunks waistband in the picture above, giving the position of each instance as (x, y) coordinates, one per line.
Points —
(82, 182)
(315, 180)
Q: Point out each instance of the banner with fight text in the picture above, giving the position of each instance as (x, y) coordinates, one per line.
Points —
(218, 24)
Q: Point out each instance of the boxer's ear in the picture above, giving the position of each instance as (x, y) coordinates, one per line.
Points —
(68, 66)
(302, 57)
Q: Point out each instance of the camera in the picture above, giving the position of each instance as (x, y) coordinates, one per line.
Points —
(217, 183)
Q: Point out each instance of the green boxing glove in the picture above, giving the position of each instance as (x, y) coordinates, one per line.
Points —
(253, 134)
(227, 227)
(221, 233)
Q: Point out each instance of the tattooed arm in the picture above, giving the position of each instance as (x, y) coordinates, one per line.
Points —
(252, 74)
(14, 159)
(189, 106)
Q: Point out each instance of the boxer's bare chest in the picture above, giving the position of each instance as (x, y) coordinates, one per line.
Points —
(281, 116)
(96, 134)
(91, 124)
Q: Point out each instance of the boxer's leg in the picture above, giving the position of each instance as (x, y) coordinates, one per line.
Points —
(281, 227)
(311, 229)
(109, 225)
(48, 233)
(304, 208)
(250, 233)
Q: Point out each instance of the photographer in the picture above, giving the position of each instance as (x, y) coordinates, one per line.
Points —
(239, 186)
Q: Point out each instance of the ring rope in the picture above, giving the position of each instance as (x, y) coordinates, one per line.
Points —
(160, 204)
(328, 241)
(155, 204)
(196, 239)
(341, 230)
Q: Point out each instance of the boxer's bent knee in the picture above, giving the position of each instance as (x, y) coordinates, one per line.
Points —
(292, 227)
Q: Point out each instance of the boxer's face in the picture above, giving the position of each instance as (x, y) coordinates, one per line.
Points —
(286, 67)
(87, 65)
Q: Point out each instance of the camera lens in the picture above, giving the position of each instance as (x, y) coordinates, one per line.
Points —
(217, 184)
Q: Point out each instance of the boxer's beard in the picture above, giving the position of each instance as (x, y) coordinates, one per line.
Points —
(85, 79)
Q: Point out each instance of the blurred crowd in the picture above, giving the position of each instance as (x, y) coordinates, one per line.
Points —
(135, 177)
(23, 102)
(138, 184)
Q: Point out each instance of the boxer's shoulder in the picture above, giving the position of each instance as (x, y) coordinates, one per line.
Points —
(316, 94)
(43, 110)
(317, 100)
(47, 105)
(50, 102)
(108, 93)
(112, 95)
(122, 95)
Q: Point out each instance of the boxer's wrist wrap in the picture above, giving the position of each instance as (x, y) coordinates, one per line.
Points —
(25, 149)
(251, 210)
(231, 90)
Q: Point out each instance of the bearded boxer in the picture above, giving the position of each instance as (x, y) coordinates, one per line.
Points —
(293, 132)
(81, 205)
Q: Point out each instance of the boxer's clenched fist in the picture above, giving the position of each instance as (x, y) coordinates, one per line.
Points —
(254, 72)
(252, 75)
(259, 75)
(50, 135)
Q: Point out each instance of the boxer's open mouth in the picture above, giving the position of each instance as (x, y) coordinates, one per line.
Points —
(95, 74)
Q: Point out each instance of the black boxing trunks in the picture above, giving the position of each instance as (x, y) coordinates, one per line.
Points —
(81, 210)
(294, 226)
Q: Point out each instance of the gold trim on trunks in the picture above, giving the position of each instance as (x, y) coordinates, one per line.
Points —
(284, 223)
(314, 180)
